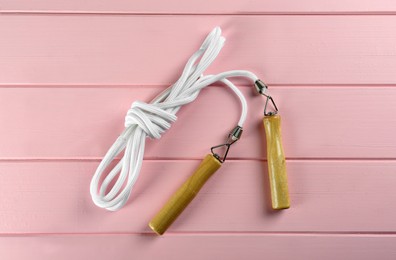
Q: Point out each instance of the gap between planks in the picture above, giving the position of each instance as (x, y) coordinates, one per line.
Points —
(159, 159)
(205, 233)
(132, 86)
(313, 13)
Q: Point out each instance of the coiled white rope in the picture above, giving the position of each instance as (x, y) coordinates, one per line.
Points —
(153, 119)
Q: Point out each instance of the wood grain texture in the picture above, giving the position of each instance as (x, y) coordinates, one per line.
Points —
(325, 122)
(327, 196)
(276, 163)
(183, 196)
(199, 7)
(197, 247)
(152, 50)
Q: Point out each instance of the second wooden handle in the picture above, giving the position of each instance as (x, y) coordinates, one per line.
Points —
(184, 195)
(276, 163)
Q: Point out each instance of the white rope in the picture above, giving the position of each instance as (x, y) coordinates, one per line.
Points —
(154, 119)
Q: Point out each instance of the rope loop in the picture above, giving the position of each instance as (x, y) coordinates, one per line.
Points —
(153, 119)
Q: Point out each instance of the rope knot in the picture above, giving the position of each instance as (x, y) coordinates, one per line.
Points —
(152, 119)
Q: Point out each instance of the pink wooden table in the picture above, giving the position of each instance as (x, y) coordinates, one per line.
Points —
(69, 71)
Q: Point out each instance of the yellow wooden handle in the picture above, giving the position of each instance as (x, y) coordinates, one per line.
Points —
(276, 163)
(184, 195)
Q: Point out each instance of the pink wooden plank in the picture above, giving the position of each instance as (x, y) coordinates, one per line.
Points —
(142, 50)
(321, 122)
(327, 196)
(181, 7)
(196, 247)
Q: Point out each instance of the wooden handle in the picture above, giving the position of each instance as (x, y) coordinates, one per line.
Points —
(276, 163)
(184, 195)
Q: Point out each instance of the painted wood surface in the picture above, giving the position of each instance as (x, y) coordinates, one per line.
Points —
(202, 246)
(199, 7)
(69, 71)
(318, 122)
(326, 196)
(152, 50)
